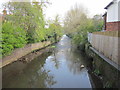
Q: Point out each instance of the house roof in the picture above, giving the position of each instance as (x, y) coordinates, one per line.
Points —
(109, 5)
(104, 14)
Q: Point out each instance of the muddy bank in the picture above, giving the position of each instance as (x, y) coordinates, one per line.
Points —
(16, 67)
(23, 71)
(29, 57)
(20, 52)
(106, 73)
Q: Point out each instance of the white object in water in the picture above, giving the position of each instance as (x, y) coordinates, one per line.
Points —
(82, 66)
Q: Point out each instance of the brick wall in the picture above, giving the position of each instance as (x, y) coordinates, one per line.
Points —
(113, 26)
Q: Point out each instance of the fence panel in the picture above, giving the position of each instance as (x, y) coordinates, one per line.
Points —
(106, 43)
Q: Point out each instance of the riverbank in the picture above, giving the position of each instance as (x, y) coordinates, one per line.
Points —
(107, 74)
(29, 57)
(26, 53)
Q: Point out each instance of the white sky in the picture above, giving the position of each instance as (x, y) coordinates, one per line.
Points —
(62, 6)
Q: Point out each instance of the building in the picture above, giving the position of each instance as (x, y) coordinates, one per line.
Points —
(112, 16)
(106, 44)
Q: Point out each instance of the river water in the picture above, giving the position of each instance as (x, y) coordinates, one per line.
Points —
(61, 69)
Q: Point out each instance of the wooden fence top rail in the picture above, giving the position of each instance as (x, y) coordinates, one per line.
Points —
(109, 33)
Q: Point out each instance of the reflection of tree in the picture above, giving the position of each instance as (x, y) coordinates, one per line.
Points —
(33, 76)
(56, 61)
(74, 61)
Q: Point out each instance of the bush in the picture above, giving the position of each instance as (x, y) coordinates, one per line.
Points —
(12, 37)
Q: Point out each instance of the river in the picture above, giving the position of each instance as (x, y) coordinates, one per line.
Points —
(64, 68)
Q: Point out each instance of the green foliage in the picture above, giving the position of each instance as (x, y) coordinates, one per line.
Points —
(12, 37)
(80, 37)
(96, 71)
(55, 29)
(25, 24)
(53, 46)
(29, 16)
(77, 24)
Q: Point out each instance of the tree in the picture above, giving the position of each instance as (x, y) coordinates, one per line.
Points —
(98, 22)
(74, 18)
(12, 37)
(78, 24)
(23, 24)
(28, 15)
(55, 29)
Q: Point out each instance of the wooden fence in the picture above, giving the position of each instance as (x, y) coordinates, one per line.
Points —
(106, 43)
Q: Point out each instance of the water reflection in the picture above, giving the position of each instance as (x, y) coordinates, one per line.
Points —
(68, 72)
(32, 76)
(59, 70)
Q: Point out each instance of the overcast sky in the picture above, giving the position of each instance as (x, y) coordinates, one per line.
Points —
(62, 6)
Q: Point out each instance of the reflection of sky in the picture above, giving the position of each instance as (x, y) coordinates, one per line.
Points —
(68, 73)
(30, 75)
(65, 78)
(60, 70)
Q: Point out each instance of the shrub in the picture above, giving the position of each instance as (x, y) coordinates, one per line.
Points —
(12, 37)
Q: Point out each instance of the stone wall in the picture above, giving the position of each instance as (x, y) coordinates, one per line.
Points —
(18, 53)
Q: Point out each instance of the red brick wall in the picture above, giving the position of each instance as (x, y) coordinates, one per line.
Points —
(113, 26)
